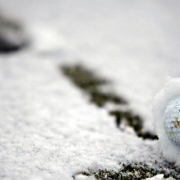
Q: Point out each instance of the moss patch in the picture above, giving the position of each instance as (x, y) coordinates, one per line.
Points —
(135, 171)
(91, 84)
(133, 121)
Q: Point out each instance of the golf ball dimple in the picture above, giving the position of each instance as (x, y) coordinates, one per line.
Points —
(172, 120)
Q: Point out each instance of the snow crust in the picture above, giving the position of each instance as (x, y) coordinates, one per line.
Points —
(49, 129)
(157, 177)
(134, 44)
(168, 93)
(83, 177)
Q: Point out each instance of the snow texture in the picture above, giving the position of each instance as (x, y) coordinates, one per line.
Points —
(161, 102)
(160, 177)
(157, 177)
(49, 130)
(83, 177)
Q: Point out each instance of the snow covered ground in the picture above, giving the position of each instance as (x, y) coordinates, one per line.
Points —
(49, 130)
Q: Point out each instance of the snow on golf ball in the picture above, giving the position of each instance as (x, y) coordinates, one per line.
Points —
(166, 113)
(172, 121)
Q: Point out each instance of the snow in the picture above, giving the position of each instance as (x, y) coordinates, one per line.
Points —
(157, 177)
(83, 177)
(50, 130)
(162, 100)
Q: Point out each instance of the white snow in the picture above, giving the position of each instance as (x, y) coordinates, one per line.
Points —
(160, 177)
(83, 177)
(157, 177)
(167, 94)
(49, 129)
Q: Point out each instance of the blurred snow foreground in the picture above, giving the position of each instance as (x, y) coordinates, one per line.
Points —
(49, 130)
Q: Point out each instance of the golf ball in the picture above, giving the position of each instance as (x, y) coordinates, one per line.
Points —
(172, 120)
(166, 113)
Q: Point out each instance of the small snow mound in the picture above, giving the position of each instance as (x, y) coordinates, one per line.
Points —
(160, 177)
(169, 92)
(157, 177)
(83, 177)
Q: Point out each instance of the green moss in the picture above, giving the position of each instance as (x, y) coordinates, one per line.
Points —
(91, 84)
(134, 172)
(132, 120)
(82, 77)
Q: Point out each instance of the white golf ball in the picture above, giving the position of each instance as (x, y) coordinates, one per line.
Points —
(166, 112)
(172, 120)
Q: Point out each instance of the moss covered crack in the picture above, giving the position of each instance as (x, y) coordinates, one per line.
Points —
(87, 81)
